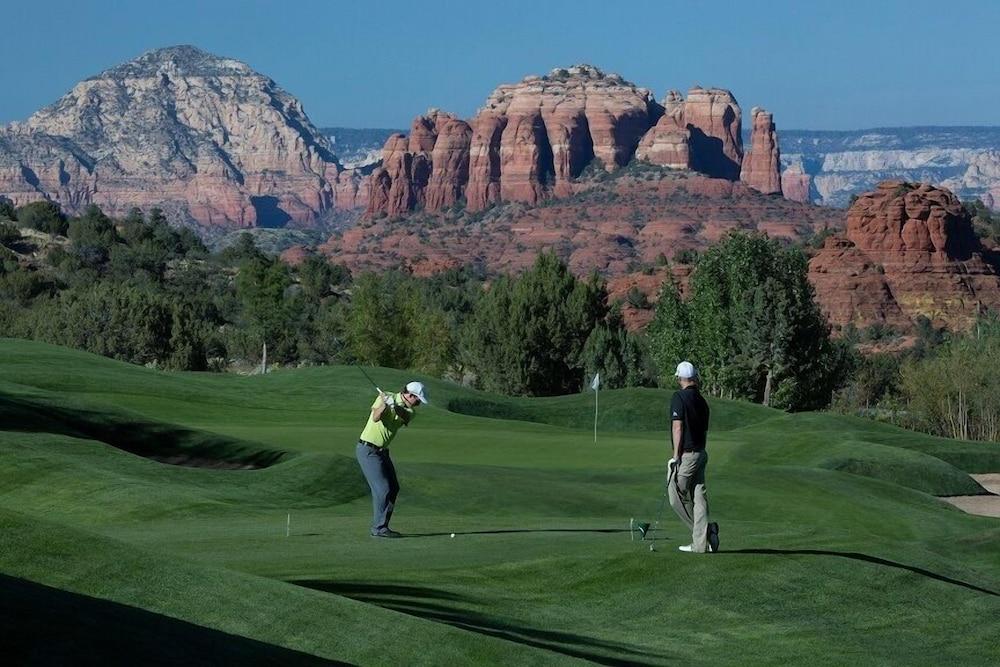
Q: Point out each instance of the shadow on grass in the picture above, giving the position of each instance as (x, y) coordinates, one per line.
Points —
(40, 625)
(507, 531)
(853, 555)
(431, 604)
(160, 441)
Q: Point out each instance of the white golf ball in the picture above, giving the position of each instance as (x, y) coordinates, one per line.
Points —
(453, 534)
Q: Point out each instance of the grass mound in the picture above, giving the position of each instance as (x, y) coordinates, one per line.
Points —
(834, 546)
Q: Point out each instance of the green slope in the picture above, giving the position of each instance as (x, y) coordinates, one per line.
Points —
(835, 548)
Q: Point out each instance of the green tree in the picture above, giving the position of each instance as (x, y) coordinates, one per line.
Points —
(755, 330)
(44, 215)
(7, 209)
(527, 334)
(614, 353)
(268, 309)
(669, 333)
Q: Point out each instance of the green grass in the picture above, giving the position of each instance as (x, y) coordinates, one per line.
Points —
(834, 546)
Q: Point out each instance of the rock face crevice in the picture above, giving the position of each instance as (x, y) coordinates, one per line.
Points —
(908, 251)
(533, 139)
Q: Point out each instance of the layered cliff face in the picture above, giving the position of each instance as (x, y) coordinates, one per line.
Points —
(908, 250)
(531, 140)
(838, 165)
(761, 168)
(206, 138)
(668, 143)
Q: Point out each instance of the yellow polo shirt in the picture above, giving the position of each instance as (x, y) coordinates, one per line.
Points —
(381, 433)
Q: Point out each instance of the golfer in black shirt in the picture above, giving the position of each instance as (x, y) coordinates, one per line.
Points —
(686, 470)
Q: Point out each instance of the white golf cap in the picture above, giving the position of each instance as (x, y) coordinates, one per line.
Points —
(418, 390)
(686, 370)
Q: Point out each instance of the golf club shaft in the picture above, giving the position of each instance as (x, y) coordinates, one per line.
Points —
(367, 377)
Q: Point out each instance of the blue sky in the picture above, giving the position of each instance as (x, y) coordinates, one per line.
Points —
(816, 64)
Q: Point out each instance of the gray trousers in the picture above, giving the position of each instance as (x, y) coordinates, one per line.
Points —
(381, 477)
(688, 497)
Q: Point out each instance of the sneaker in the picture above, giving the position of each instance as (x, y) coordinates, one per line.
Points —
(686, 548)
(713, 537)
(386, 533)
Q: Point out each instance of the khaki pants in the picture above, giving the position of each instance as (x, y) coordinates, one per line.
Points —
(686, 490)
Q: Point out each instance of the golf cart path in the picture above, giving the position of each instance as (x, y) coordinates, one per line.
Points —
(981, 505)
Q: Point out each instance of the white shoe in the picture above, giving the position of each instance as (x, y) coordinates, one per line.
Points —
(687, 548)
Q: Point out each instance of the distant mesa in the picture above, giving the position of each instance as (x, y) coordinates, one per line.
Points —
(532, 140)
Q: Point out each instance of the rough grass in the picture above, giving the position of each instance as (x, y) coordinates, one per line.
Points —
(834, 546)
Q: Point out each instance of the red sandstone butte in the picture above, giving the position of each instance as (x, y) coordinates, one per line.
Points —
(762, 165)
(667, 143)
(449, 163)
(908, 250)
(714, 117)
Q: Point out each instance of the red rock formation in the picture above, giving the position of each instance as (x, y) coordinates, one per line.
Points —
(484, 160)
(667, 142)
(449, 163)
(530, 141)
(796, 186)
(908, 250)
(715, 121)
(762, 165)
(389, 187)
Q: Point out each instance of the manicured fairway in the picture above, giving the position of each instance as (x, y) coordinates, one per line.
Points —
(835, 549)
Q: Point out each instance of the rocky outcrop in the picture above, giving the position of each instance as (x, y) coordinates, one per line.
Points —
(449, 162)
(761, 168)
(668, 142)
(558, 123)
(533, 139)
(908, 250)
(715, 121)
(483, 188)
(795, 185)
(205, 138)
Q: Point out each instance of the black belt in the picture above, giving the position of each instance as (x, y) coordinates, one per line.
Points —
(369, 444)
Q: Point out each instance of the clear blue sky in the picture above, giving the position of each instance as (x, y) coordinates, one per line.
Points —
(816, 64)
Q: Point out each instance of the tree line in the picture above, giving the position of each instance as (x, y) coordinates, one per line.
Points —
(142, 291)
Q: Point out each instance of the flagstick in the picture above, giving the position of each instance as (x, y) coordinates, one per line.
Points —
(596, 392)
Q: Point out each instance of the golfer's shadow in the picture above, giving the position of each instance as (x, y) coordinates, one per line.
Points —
(514, 531)
(854, 555)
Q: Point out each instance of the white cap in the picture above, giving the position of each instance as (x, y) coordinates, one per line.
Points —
(418, 390)
(686, 370)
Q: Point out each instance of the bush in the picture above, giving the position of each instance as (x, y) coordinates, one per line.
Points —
(9, 234)
(45, 216)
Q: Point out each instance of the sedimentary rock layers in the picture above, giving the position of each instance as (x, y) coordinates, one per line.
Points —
(532, 139)
(908, 250)
(761, 168)
(668, 142)
(204, 137)
(715, 121)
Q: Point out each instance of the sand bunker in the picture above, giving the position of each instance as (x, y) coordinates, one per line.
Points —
(981, 505)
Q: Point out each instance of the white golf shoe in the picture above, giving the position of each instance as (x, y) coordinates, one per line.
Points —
(686, 548)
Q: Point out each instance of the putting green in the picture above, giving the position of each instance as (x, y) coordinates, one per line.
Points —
(835, 548)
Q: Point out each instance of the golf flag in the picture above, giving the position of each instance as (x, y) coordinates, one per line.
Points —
(595, 385)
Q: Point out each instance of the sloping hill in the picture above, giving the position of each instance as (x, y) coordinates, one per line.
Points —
(834, 546)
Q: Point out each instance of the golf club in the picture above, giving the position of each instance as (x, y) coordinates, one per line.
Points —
(367, 377)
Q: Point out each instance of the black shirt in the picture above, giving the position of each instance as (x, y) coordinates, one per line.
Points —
(690, 408)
